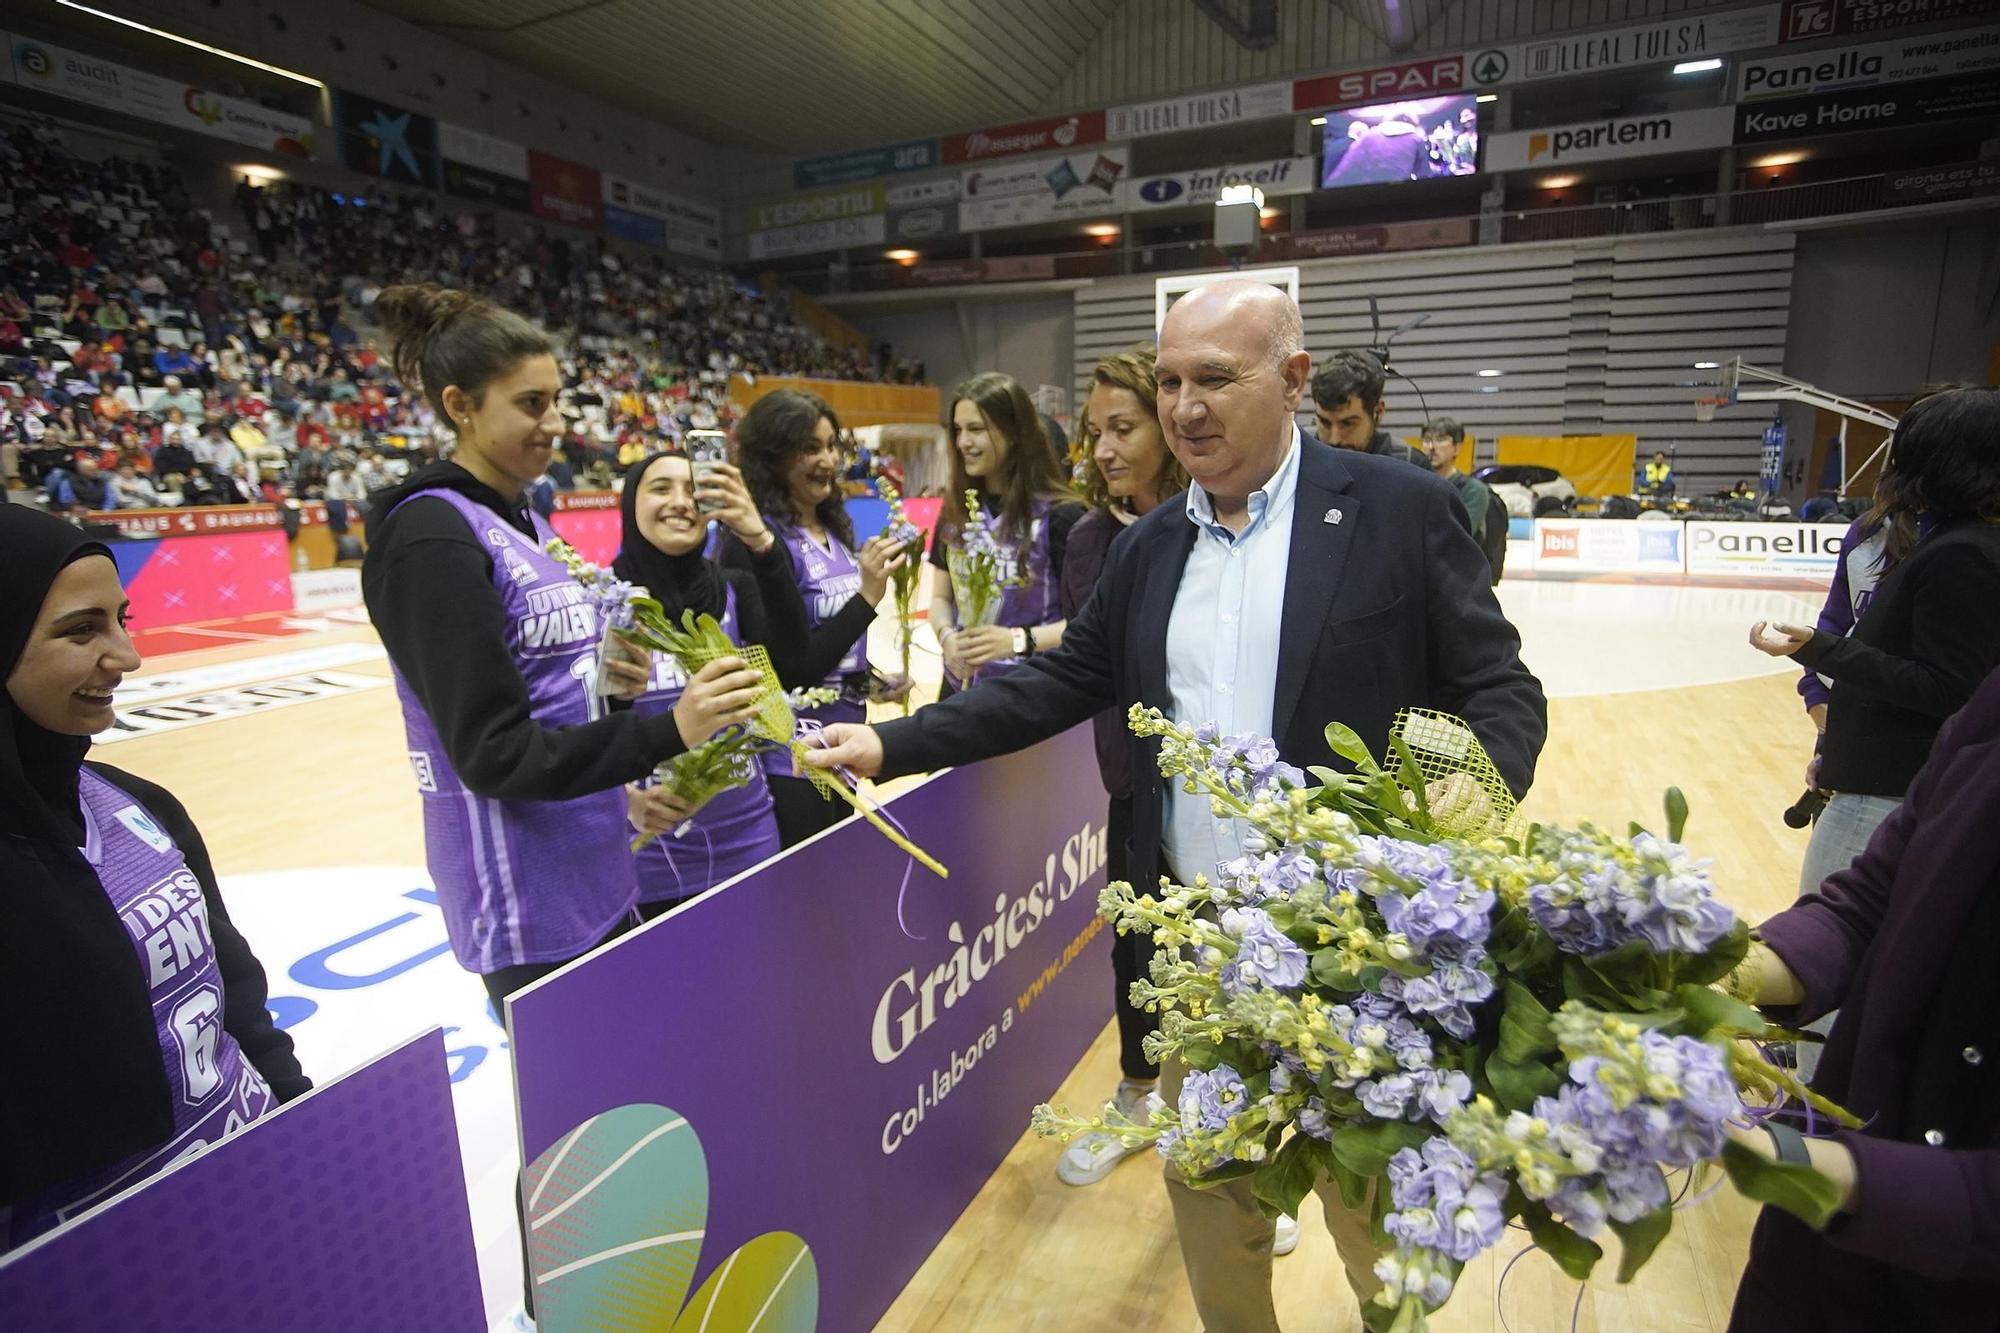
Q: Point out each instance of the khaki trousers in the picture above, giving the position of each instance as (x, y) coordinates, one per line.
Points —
(1226, 1242)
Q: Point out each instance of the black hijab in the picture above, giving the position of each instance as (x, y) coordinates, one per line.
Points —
(77, 1002)
(38, 767)
(676, 582)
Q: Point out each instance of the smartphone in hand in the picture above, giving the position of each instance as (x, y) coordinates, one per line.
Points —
(705, 448)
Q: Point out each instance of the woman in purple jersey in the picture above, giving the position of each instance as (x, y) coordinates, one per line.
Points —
(1000, 449)
(788, 445)
(520, 762)
(143, 1033)
(662, 554)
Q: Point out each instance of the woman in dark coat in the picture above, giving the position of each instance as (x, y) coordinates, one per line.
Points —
(1906, 944)
(142, 1034)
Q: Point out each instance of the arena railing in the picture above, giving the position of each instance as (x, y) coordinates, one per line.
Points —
(1696, 212)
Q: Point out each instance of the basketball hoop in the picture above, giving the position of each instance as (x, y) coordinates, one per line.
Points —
(1704, 408)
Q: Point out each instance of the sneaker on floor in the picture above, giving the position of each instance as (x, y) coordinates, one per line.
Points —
(520, 1321)
(1090, 1157)
(1287, 1238)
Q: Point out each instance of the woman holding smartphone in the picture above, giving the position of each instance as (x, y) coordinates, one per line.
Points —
(789, 444)
(1000, 449)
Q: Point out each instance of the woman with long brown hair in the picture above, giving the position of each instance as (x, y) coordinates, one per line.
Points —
(1123, 467)
(1025, 513)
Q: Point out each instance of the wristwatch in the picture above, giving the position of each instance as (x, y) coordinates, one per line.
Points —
(1021, 641)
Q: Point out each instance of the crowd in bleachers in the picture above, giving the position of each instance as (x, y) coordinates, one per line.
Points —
(152, 353)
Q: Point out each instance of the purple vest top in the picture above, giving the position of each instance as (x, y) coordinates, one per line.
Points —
(215, 1090)
(727, 836)
(1033, 602)
(828, 577)
(525, 881)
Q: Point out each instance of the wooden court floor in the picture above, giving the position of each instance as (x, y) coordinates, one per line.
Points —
(323, 784)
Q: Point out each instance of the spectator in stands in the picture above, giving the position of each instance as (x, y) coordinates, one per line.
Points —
(192, 410)
(175, 366)
(80, 489)
(1348, 405)
(134, 490)
(373, 473)
(1658, 477)
(172, 457)
(1927, 636)
(1443, 440)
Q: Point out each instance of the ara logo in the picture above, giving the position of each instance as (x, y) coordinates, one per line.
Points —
(1161, 191)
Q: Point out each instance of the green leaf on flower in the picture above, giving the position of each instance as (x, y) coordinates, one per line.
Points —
(1289, 1175)
(1200, 1053)
(1516, 1083)
(1353, 1185)
(1327, 972)
(1719, 961)
(1409, 774)
(1346, 742)
(1639, 1239)
(1677, 813)
(1223, 1174)
(1525, 1027)
(1518, 945)
(1799, 1190)
(1575, 1255)
(1367, 1148)
(1711, 1013)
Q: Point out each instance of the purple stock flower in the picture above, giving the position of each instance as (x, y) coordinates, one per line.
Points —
(1387, 1098)
(1264, 956)
(1209, 1098)
(1312, 1119)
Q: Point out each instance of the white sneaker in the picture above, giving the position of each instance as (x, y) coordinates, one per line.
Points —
(519, 1322)
(1090, 1158)
(1287, 1238)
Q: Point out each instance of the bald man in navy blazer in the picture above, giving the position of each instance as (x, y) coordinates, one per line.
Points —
(1294, 585)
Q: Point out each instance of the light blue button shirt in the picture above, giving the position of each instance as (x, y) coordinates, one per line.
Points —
(1222, 647)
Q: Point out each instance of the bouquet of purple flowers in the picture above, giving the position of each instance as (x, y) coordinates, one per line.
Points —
(1460, 1022)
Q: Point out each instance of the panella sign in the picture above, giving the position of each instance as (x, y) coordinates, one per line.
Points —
(1421, 78)
(1036, 136)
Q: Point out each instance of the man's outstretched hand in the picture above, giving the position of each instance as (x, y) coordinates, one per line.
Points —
(849, 745)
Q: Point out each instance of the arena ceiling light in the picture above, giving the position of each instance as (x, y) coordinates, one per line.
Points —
(1490, 374)
(1708, 365)
(1697, 66)
(1318, 120)
(258, 172)
(1781, 159)
(1101, 229)
(1484, 98)
(1558, 182)
(199, 46)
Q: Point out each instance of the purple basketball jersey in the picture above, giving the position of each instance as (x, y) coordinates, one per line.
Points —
(1031, 602)
(215, 1090)
(525, 881)
(734, 831)
(828, 577)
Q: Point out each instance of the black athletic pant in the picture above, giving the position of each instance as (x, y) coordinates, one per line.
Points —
(1131, 955)
(802, 811)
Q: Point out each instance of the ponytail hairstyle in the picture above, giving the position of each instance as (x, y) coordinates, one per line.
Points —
(440, 337)
(770, 437)
(1032, 470)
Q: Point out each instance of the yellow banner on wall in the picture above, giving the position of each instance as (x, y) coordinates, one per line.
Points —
(1594, 464)
(854, 402)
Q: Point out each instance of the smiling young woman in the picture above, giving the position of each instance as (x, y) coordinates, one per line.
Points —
(1000, 450)
(519, 760)
(124, 1054)
(789, 446)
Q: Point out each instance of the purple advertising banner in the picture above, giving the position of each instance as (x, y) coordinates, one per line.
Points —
(776, 1100)
(343, 1210)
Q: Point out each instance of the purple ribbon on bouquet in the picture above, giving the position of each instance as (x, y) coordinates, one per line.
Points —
(811, 731)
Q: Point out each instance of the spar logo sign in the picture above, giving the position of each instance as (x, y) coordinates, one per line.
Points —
(1489, 68)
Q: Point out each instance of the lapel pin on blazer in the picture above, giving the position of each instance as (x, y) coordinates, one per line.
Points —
(1332, 516)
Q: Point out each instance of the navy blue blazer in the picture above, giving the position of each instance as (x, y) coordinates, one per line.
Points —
(1389, 606)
